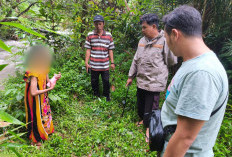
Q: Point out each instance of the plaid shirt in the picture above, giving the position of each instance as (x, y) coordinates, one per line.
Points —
(100, 46)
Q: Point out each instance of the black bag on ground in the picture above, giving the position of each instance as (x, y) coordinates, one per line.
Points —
(156, 132)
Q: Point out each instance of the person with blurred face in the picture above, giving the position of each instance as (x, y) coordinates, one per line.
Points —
(197, 95)
(38, 112)
(99, 44)
(150, 67)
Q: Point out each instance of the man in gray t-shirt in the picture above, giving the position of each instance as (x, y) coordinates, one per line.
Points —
(199, 87)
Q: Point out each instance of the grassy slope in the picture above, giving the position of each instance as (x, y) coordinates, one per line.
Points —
(85, 126)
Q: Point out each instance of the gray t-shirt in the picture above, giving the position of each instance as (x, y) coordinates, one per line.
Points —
(199, 87)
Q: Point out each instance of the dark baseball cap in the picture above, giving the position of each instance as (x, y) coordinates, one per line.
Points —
(98, 18)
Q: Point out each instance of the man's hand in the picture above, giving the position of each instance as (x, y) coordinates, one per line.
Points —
(129, 81)
(87, 67)
(112, 66)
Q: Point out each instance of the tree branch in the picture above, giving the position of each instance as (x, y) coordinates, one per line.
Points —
(26, 10)
(13, 7)
(20, 14)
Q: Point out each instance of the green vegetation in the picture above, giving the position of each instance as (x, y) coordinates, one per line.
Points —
(87, 126)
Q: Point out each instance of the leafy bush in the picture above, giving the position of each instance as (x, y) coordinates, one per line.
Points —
(12, 98)
(224, 141)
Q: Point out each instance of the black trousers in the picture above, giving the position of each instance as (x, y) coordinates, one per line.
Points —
(95, 82)
(146, 102)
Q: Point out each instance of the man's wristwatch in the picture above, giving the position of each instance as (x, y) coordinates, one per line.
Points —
(112, 63)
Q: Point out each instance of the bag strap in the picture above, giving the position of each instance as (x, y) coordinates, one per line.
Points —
(215, 111)
(171, 128)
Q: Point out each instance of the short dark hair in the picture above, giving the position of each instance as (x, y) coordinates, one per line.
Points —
(184, 18)
(150, 19)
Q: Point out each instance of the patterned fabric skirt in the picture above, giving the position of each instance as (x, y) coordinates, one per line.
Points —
(38, 116)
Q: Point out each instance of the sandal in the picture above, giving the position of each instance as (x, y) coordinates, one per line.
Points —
(38, 144)
(139, 123)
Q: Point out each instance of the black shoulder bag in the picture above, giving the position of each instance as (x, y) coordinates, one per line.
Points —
(157, 133)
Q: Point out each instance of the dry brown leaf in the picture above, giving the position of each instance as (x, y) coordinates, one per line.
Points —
(112, 88)
(4, 124)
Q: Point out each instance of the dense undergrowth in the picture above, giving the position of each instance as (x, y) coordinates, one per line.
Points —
(88, 126)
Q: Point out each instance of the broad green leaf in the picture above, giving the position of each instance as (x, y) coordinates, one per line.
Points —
(12, 145)
(54, 98)
(8, 92)
(15, 151)
(23, 28)
(4, 46)
(36, 25)
(8, 118)
(19, 97)
(3, 66)
(91, 2)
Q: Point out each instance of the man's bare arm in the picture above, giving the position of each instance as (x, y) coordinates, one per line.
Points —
(111, 54)
(87, 56)
(185, 134)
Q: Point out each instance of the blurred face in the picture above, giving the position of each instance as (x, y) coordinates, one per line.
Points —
(148, 30)
(99, 25)
(40, 62)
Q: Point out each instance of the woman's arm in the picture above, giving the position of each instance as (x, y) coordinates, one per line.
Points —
(33, 89)
(47, 78)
